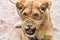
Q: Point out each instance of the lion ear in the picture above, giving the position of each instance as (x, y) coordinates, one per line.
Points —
(19, 5)
(45, 6)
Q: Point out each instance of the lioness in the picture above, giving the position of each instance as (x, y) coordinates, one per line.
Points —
(35, 19)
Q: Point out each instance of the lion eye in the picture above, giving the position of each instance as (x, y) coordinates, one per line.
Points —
(24, 14)
(36, 16)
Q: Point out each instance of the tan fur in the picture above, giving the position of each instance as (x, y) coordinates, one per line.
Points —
(42, 22)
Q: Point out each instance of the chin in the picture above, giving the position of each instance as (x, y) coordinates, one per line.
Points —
(30, 35)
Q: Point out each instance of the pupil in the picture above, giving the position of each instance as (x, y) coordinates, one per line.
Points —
(24, 14)
(36, 14)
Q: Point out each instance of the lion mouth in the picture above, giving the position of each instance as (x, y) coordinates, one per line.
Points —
(30, 31)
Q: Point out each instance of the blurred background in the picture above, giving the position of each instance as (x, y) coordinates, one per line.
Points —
(9, 17)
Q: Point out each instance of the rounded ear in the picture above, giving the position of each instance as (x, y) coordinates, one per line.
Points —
(45, 6)
(49, 5)
(19, 5)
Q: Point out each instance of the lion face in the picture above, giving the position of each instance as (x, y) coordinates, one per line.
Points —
(31, 16)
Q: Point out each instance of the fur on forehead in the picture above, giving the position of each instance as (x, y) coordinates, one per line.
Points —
(33, 3)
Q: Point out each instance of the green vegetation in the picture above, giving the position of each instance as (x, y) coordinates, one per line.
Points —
(44, 36)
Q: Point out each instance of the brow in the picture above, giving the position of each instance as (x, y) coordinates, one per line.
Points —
(31, 10)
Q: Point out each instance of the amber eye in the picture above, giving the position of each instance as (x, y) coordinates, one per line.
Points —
(36, 16)
(24, 14)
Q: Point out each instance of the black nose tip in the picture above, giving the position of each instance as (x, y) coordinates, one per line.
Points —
(29, 26)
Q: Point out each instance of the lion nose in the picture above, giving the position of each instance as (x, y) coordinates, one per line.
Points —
(29, 26)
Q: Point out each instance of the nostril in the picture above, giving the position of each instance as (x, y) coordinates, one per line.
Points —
(29, 26)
